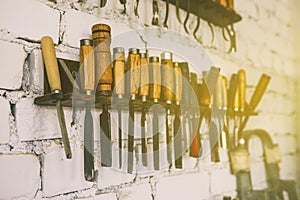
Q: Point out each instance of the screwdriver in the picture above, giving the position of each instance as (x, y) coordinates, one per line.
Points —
(119, 89)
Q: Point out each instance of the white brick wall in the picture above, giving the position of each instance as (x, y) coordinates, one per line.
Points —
(266, 39)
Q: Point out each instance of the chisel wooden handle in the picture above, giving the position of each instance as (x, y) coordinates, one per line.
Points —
(134, 63)
(259, 90)
(236, 101)
(242, 89)
(144, 77)
(87, 63)
(225, 92)
(155, 78)
(178, 82)
(51, 65)
(168, 78)
(233, 86)
(185, 82)
(119, 70)
(102, 39)
(219, 94)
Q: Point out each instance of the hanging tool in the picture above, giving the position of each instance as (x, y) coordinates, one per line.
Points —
(144, 92)
(168, 89)
(185, 101)
(188, 10)
(102, 3)
(102, 39)
(224, 133)
(177, 11)
(88, 82)
(231, 33)
(178, 151)
(134, 63)
(155, 91)
(119, 89)
(155, 13)
(167, 15)
(242, 97)
(123, 2)
(136, 8)
(256, 97)
(53, 75)
(196, 29)
(212, 32)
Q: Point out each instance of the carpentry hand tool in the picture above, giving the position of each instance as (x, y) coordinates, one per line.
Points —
(212, 32)
(242, 97)
(155, 91)
(177, 11)
(233, 103)
(119, 89)
(178, 151)
(134, 63)
(231, 32)
(123, 2)
(187, 16)
(88, 79)
(136, 8)
(256, 97)
(168, 89)
(53, 75)
(102, 39)
(144, 92)
(224, 134)
(155, 13)
(102, 3)
(185, 101)
(166, 15)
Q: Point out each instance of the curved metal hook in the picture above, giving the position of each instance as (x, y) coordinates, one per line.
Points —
(196, 28)
(167, 14)
(224, 35)
(187, 16)
(212, 32)
(123, 2)
(136, 5)
(155, 13)
(177, 11)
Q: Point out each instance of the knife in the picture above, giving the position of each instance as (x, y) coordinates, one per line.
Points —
(49, 56)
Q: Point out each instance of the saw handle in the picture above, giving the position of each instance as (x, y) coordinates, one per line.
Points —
(259, 90)
(51, 65)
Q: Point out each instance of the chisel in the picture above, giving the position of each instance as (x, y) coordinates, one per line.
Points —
(144, 92)
(256, 97)
(178, 151)
(134, 63)
(53, 75)
(155, 91)
(242, 97)
(87, 65)
(168, 86)
(102, 39)
(224, 133)
(119, 89)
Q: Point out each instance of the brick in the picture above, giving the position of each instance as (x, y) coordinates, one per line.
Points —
(4, 122)
(287, 143)
(258, 175)
(110, 196)
(39, 122)
(36, 68)
(13, 58)
(29, 19)
(227, 184)
(142, 191)
(183, 187)
(61, 175)
(20, 176)
(288, 167)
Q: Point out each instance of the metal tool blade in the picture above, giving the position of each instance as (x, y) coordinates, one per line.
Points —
(178, 141)
(168, 136)
(88, 145)
(63, 128)
(105, 138)
(155, 141)
(144, 142)
(130, 137)
(120, 137)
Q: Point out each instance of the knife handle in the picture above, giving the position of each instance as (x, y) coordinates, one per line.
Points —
(50, 61)
(144, 78)
(119, 70)
(242, 89)
(233, 85)
(134, 63)
(155, 78)
(259, 90)
(86, 62)
(178, 82)
(168, 78)
(102, 39)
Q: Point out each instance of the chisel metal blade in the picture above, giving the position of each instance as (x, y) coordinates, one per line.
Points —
(130, 137)
(88, 145)
(105, 137)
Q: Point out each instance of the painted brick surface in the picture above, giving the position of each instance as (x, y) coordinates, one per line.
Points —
(4, 122)
(136, 192)
(19, 175)
(11, 64)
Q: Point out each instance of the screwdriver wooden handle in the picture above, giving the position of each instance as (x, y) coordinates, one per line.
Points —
(233, 86)
(144, 77)
(168, 79)
(119, 70)
(242, 89)
(178, 82)
(102, 39)
(134, 63)
(236, 101)
(86, 62)
(51, 65)
(155, 78)
(259, 90)
(225, 91)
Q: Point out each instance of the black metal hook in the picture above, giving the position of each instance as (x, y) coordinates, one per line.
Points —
(187, 16)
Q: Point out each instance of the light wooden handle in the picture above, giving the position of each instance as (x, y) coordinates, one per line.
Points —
(168, 84)
(144, 78)
(259, 90)
(134, 66)
(178, 82)
(155, 78)
(50, 61)
(205, 97)
(88, 64)
(236, 102)
(219, 93)
(119, 71)
(185, 83)
(242, 89)
(225, 91)
(233, 86)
